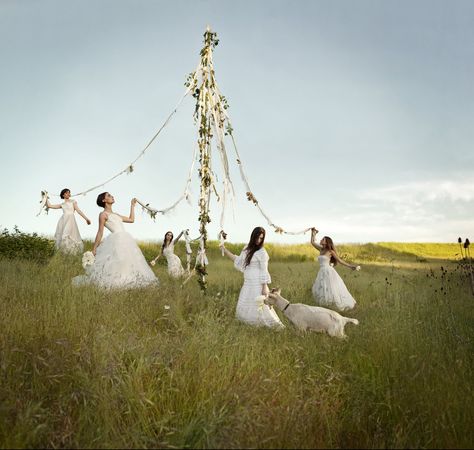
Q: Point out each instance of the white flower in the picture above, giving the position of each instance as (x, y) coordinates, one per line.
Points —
(152, 262)
(88, 259)
(358, 268)
(167, 306)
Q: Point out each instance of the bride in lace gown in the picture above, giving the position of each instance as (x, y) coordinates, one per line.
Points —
(119, 262)
(253, 262)
(67, 237)
(329, 289)
(175, 268)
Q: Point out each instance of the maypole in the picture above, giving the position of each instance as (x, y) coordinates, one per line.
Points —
(202, 86)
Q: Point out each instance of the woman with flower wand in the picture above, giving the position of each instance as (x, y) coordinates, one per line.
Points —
(253, 262)
(328, 288)
(67, 237)
(175, 269)
(119, 262)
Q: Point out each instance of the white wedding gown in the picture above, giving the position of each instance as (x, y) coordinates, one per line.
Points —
(67, 238)
(255, 274)
(329, 289)
(119, 262)
(175, 269)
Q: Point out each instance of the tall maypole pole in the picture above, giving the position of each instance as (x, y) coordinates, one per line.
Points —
(202, 86)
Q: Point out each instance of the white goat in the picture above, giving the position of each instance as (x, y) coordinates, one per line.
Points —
(306, 317)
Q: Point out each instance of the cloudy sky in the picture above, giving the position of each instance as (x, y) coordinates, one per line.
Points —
(352, 116)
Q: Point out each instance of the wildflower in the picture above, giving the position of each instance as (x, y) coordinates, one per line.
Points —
(167, 307)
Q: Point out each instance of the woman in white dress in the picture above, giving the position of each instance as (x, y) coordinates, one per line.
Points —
(67, 237)
(119, 262)
(175, 269)
(329, 289)
(253, 262)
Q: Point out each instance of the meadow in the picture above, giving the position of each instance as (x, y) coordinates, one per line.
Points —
(170, 367)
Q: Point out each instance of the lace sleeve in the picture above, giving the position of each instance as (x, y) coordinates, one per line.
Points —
(239, 261)
(263, 258)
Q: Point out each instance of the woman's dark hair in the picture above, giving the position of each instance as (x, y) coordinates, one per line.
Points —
(63, 192)
(164, 239)
(330, 246)
(100, 199)
(252, 246)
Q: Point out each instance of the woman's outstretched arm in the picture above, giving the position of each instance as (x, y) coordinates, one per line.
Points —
(314, 232)
(228, 253)
(131, 217)
(50, 206)
(100, 231)
(81, 213)
(156, 258)
(343, 263)
(178, 238)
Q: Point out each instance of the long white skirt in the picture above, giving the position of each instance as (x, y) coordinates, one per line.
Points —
(67, 237)
(119, 264)
(329, 290)
(248, 310)
(175, 269)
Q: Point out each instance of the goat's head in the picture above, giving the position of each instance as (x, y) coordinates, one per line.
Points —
(273, 296)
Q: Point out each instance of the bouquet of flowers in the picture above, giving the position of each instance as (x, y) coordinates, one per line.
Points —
(88, 259)
(260, 301)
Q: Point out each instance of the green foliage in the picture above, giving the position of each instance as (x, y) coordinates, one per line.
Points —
(18, 244)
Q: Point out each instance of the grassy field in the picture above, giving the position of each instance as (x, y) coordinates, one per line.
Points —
(85, 368)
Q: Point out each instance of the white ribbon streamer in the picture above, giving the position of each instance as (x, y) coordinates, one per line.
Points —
(152, 212)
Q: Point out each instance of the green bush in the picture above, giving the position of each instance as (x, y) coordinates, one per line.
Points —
(18, 244)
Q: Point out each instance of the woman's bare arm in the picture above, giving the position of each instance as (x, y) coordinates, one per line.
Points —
(228, 253)
(131, 217)
(153, 261)
(81, 213)
(178, 238)
(314, 231)
(50, 206)
(340, 261)
(100, 231)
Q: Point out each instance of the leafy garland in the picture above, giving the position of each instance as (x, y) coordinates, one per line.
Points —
(204, 118)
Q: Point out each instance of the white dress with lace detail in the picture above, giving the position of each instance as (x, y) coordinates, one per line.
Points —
(67, 237)
(329, 289)
(175, 269)
(255, 274)
(119, 262)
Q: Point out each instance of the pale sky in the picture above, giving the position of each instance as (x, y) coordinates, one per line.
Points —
(352, 116)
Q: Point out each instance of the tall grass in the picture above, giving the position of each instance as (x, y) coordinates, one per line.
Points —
(85, 368)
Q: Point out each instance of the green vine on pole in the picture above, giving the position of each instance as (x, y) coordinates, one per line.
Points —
(202, 86)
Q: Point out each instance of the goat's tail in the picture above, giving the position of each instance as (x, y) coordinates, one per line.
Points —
(354, 321)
